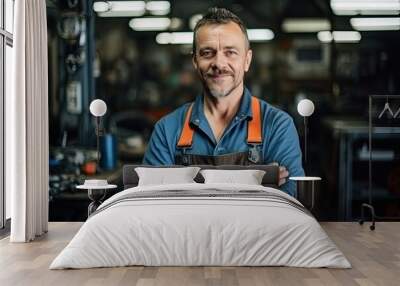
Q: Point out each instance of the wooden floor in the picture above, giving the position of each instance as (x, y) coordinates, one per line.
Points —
(375, 256)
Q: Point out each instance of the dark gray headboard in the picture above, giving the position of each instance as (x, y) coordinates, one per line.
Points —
(270, 179)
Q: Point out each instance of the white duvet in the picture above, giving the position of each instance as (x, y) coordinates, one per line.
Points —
(219, 231)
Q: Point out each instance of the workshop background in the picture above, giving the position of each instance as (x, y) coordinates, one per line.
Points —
(337, 53)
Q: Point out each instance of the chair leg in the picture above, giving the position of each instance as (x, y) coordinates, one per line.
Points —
(372, 209)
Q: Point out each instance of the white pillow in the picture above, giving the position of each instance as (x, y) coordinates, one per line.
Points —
(249, 177)
(163, 176)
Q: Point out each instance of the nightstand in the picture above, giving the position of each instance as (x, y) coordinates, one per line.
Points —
(96, 193)
(306, 187)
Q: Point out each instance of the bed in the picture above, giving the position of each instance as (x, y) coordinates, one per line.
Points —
(201, 224)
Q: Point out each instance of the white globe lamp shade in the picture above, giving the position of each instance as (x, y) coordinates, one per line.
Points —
(305, 107)
(98, 107)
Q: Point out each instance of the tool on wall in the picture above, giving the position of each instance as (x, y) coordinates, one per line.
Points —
(386, 109)
(73, 3)
(74, 61)
(397, 114)
(74, 97)
(70, 26)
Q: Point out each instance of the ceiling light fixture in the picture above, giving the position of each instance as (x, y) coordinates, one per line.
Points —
(365, 7)
(158, 8)
(119, 8)
(101, 6)
(150, 24)
(260, 35)
(175, 38)
(194, 19)
(163, 38)
(339, 36)
(176, 24)
(255, 35)
(305, 25)
(375, 24)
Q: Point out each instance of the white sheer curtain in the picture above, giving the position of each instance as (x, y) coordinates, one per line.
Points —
(27, 123)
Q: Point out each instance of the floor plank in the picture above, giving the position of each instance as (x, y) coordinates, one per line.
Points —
(375, 257)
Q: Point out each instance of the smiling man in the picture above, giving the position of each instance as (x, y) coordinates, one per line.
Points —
(225, 124)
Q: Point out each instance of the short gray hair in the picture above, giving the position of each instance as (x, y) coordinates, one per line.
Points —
(219, 16)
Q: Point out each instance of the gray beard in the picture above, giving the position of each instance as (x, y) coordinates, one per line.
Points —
(218, 94)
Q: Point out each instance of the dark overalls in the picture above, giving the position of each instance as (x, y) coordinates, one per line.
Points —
(250, 157)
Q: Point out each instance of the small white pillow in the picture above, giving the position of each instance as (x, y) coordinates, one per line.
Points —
(249, 177)
(163, 176)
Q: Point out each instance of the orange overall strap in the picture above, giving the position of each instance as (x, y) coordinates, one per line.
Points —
(187, 132)
(254, 125)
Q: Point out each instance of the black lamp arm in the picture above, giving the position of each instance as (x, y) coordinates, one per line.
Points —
(99, 132)
(305, 139)
(99, 128)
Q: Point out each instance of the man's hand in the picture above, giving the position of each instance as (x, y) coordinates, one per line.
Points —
(283, 174)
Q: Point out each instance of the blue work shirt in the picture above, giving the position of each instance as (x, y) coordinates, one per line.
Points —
(280, 139)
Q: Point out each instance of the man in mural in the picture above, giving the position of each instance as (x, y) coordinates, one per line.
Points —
(225, 124)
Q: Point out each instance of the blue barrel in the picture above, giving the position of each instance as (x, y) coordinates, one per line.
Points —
(108, 152)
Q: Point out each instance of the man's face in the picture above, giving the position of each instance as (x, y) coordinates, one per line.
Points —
(222, 58)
